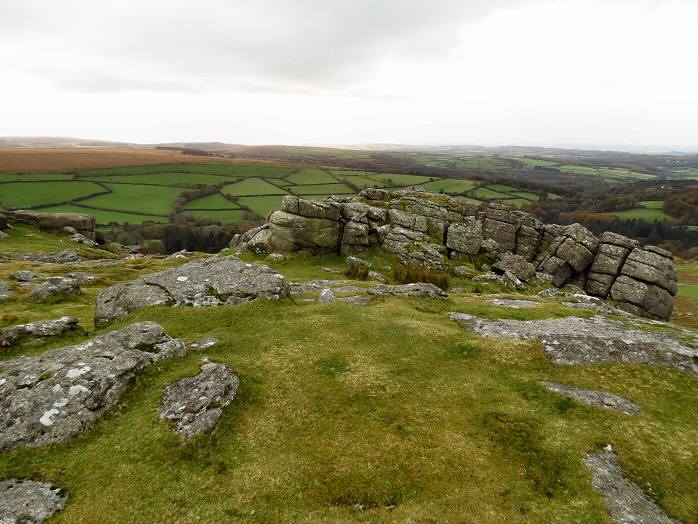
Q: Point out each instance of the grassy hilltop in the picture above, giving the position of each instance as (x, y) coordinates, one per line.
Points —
(390, 413)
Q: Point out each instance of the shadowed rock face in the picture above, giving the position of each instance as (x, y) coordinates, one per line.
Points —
(578, 341)
(425, 229)
(29, 502)
(196, 403)
(627, 503)
(43, 328)
(209, 282)
(50, 397)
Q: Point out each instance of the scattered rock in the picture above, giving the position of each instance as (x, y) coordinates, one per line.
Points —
(48, 398)
(356, 261)
(595, 398)
(179, 255)
(327, 296)
(594, 304)
(420, 289)
(25, 276)
(206, 282)
(55, 286)
(201, 345)
(45, 328)
(298, 288)
(29, 502)
(3, 235)
(275, 257)
(577, 341)
(66, 256)
(374, 275)
(515, 265)
(507, 279)
(463, 272)
(196, 403)
(627, 503)
(82, 239)
(516, 304)
(82, 277)
(356, 301)
(5, 291)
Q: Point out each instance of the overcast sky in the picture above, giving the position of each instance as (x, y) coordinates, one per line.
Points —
(556, 72)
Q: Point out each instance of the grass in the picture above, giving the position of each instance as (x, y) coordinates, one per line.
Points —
(252, 186)
(322, 189)
(138, 199)
(652, 204)
(311, 176)
(105, 217)
(262, 205)
(167, 179)
(488, 194)
(408, 419)
(33, 177)
(215, 201)
(226, 216)
(17, 195)
(449, 186)
(643, 213)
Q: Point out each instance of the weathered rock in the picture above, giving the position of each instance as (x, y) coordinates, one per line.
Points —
(354, 238)
(516, 265)
(513, 303)
(29, 502)
(575, 341)
(592, 303)
(25, 276)
(651, 268)
(275, 257)
(57, 222)
(245, 240)
(44, 328)
(627, 503)
(201, 345)
(356, 301)
(356, 261)
(5, 291)
(82, 239)
(309, 209)
(48, 398)
(196, 403)
(465, 237)
(56, 286)
(310, 286)
(413, 247)
(291, 232)
(642, 299)
(594, 398)
(327, 296)
(81, 276)
(66, 256)
(206, 282)
(374, 275)
(507, 279)
(420, 289)
(463, 272)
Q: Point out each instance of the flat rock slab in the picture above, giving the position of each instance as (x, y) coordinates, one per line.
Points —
(44, 328)
(627, 503)
(200, 345)
(50, 397)
(29, 502)
(594, 398)
(298, 288)
(419, 289)
(56, 286)
(196, 403)
(576, 341)
(516, 304)
(207, 282)
(66, 256)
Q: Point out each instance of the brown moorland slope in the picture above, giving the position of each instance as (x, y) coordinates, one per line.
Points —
(49, 159)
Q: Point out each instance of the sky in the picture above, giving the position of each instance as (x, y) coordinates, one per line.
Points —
(336, 72)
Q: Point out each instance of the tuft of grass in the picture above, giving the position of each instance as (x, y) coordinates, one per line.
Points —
(409, 273)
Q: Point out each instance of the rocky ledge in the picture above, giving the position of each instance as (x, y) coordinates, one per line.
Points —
(208, 282)
(48, 398)
(426, 228)
(578, 341)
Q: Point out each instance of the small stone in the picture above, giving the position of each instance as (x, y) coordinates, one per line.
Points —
(374, 275)
(463, 272)
(55, 286)
(201, 345)
(28, 501)
(275, 257)
(25, 276)
(356, 261)
(327, 296)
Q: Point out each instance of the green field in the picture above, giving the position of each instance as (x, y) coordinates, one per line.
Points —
(488, 194)
(105, 217)
(220, 215)
(18, 195)
(167, 179)
(319, 189)
(311, 176)
(526, 195)
(154, 200)
(32, 177)
(652, 204)
(216, 201)
(449, 185)
(262, 205)
(643, 213)
(252, 186)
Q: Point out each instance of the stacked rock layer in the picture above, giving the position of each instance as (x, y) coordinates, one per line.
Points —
(426, 228)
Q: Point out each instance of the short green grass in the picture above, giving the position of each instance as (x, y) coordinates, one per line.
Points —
(391, 413)
(262, 205)
(320, 189)
(227, 216)
(449, 186)
(252, 186)
(18, 195)
(215, 201)
(105, 217)
(167, 179)
(643, 213)
(138, 199)
(311, 176)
